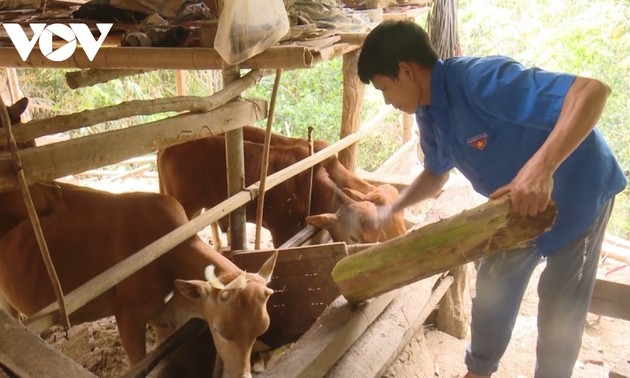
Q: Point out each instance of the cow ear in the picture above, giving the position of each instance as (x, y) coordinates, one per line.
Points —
(16, 110)
(266, 270)
(193, 289)
(325, 221)
(354, 194)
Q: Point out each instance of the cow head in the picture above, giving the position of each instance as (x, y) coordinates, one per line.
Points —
(236, 312)
(384, 194)
(354, 222)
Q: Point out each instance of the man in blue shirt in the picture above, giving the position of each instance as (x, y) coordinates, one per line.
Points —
(511, 130)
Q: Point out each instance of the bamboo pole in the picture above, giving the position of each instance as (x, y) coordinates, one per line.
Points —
(265, 159)
(34, 129)
(32, 214)
(436, 248)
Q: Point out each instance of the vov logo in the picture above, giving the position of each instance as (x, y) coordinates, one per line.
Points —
(43, 33)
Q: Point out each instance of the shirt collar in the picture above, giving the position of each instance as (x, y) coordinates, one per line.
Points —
(438, 85)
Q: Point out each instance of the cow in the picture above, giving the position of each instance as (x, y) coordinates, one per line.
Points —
(195, 174)
(96, 230)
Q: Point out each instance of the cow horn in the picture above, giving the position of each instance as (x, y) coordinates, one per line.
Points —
(238, 283)
(212, 278)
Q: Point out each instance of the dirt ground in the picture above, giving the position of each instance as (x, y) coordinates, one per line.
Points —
(431, 353)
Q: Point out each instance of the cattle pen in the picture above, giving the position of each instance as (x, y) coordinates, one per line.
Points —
(330, 336)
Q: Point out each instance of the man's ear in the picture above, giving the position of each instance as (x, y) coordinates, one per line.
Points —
(405, 70)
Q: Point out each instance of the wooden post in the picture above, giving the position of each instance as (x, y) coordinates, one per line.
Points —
(407, 122)
(353, 90)
(236, 172)
(436, 248)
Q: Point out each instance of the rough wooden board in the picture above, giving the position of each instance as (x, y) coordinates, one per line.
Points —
(377, 348)
(26, 355)
(302, 284)
(328, 339)
(621, 369)
(611, 299)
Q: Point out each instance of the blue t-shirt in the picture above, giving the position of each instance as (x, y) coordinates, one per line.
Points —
(488, 116)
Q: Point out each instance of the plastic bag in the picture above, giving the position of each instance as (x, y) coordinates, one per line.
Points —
(248, 27)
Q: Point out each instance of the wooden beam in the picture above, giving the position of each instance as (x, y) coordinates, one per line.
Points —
(26, 355)
(383, 341)
(611, 299)
(81, 154)
(87, 78)
(436, 248)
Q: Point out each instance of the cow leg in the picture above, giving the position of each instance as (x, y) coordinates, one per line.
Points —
(132, 331)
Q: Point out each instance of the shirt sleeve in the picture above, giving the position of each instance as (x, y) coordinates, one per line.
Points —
(508, 91)
(435, 160)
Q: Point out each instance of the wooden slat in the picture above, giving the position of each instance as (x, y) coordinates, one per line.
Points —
(26, 355)
(81, 154)
(611, 299)
(381, 344)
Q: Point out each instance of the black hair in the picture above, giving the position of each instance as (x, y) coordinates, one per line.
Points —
(393, 42)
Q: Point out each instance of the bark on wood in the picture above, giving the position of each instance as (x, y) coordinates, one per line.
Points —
(26, 355)
(81, 154)
(353, 90)
(87, 78)
(437, 248)
(31, 130)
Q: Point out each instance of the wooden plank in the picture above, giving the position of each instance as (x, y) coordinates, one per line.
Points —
(437, 248)
(611, 299)
(26, 355)
(81, 154)
(328, 339)
(383, 341)
(302, 284)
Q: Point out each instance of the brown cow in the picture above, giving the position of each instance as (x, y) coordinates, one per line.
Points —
(195, 174)
(95, 230)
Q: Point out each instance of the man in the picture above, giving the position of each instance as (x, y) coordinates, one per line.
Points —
(517, 130)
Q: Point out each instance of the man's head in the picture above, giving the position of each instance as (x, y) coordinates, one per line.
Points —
(397, 57)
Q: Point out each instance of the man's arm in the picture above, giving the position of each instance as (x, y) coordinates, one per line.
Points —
(531, 189)
(423, 187)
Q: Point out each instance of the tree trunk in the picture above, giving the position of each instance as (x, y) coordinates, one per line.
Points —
(436, 248)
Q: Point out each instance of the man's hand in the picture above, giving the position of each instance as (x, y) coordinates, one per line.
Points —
(530, 191)
(384, 214)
